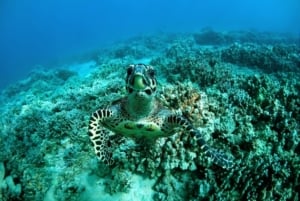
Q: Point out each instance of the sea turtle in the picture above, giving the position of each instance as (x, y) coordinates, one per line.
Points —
(141, 115)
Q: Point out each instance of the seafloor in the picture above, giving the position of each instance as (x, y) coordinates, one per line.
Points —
(240, 89)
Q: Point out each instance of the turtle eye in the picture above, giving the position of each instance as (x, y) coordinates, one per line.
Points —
(129, 70)
(151, 72)
(130, 90)
(148, 91)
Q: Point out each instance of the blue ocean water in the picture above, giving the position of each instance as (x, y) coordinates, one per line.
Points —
(47, 32)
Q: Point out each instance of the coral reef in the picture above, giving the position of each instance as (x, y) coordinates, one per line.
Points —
(269, 58)
(242, 94)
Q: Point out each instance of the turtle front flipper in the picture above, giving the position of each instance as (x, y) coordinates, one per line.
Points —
(100, 135)
(176, 121)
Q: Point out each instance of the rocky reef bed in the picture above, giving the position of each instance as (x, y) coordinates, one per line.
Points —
(240, 89)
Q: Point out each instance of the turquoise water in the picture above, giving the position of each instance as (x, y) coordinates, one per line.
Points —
(231, 69)
(48, 33)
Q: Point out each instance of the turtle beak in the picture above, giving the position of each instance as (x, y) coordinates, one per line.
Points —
(138, 82)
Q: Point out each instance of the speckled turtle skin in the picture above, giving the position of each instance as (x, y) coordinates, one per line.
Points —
(140, 115)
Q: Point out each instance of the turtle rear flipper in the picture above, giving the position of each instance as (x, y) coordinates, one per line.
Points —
(219, 158)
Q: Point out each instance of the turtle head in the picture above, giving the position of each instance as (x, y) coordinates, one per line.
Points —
(140, 79)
